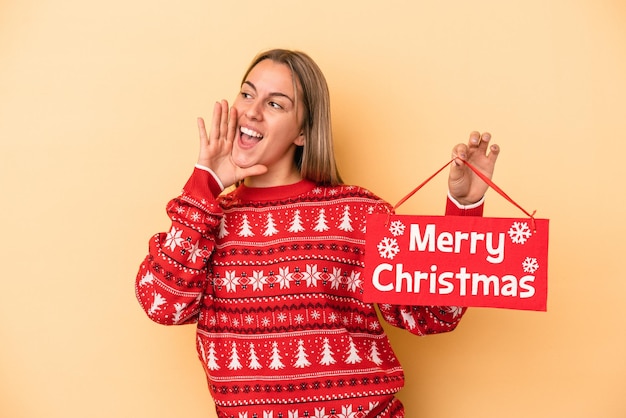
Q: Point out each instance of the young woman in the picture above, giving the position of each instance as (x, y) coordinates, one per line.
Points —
(272, 272)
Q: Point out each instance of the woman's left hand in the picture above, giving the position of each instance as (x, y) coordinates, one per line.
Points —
(464, 185)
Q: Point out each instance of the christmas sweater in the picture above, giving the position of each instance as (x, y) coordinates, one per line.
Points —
(273, 278)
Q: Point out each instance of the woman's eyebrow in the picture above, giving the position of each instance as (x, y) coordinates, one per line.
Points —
(279, 94)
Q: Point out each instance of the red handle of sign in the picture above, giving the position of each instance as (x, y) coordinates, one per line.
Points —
(482, 177)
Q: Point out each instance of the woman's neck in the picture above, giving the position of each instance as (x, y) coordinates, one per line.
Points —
(273, 179)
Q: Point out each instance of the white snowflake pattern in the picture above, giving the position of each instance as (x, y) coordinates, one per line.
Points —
(312, 275)
(354, 281)
(519, 232)
(258, 280)
(397, 228)
(230, 281)
(388, 248)
(320, 413)
(194, 252)
(335, 278)
(530, 265)
(174, 238)
(283, 278)
(346, 411)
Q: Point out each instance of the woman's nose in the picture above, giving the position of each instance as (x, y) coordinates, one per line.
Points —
(253, 111)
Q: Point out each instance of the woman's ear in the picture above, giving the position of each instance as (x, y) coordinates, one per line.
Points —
(299, 140)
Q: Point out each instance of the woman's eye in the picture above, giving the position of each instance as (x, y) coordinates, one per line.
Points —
(245, 95)
(275, 105)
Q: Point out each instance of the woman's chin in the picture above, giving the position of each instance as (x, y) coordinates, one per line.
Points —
(241, 161)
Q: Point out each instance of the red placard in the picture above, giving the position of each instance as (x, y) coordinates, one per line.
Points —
(460, 261)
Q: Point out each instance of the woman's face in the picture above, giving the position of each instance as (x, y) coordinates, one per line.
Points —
(269, 121)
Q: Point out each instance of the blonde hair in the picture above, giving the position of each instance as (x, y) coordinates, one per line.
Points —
(316, 158)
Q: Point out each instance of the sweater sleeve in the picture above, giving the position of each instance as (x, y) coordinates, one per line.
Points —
(172, 278)
(424, 320)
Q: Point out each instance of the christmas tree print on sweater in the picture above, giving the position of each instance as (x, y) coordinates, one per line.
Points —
(321, 225)
(346, 221)
(327, 354)
(296, 223)
(275, 285)
(276, 363)
(270, 226)
(254, 359)
(346, 411)
(223, 231)
(300, 352)
(245, 230)
(301, 356)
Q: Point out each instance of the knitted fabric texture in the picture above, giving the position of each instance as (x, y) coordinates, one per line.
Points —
(273, 278)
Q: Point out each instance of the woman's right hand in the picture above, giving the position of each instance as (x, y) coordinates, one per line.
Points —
(216, 147)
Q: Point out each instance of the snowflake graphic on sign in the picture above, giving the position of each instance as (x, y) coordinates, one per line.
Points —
(530, 265)
(519, 232)
(388, 248)
(397, 228)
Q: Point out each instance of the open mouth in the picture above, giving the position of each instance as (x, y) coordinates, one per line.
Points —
(250, 137)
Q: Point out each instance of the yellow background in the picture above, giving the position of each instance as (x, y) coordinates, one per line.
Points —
(98, 102)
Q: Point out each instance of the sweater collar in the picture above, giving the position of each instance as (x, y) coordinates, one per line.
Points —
(246, 193)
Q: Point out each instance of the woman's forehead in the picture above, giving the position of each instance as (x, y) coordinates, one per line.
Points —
(273, 76)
